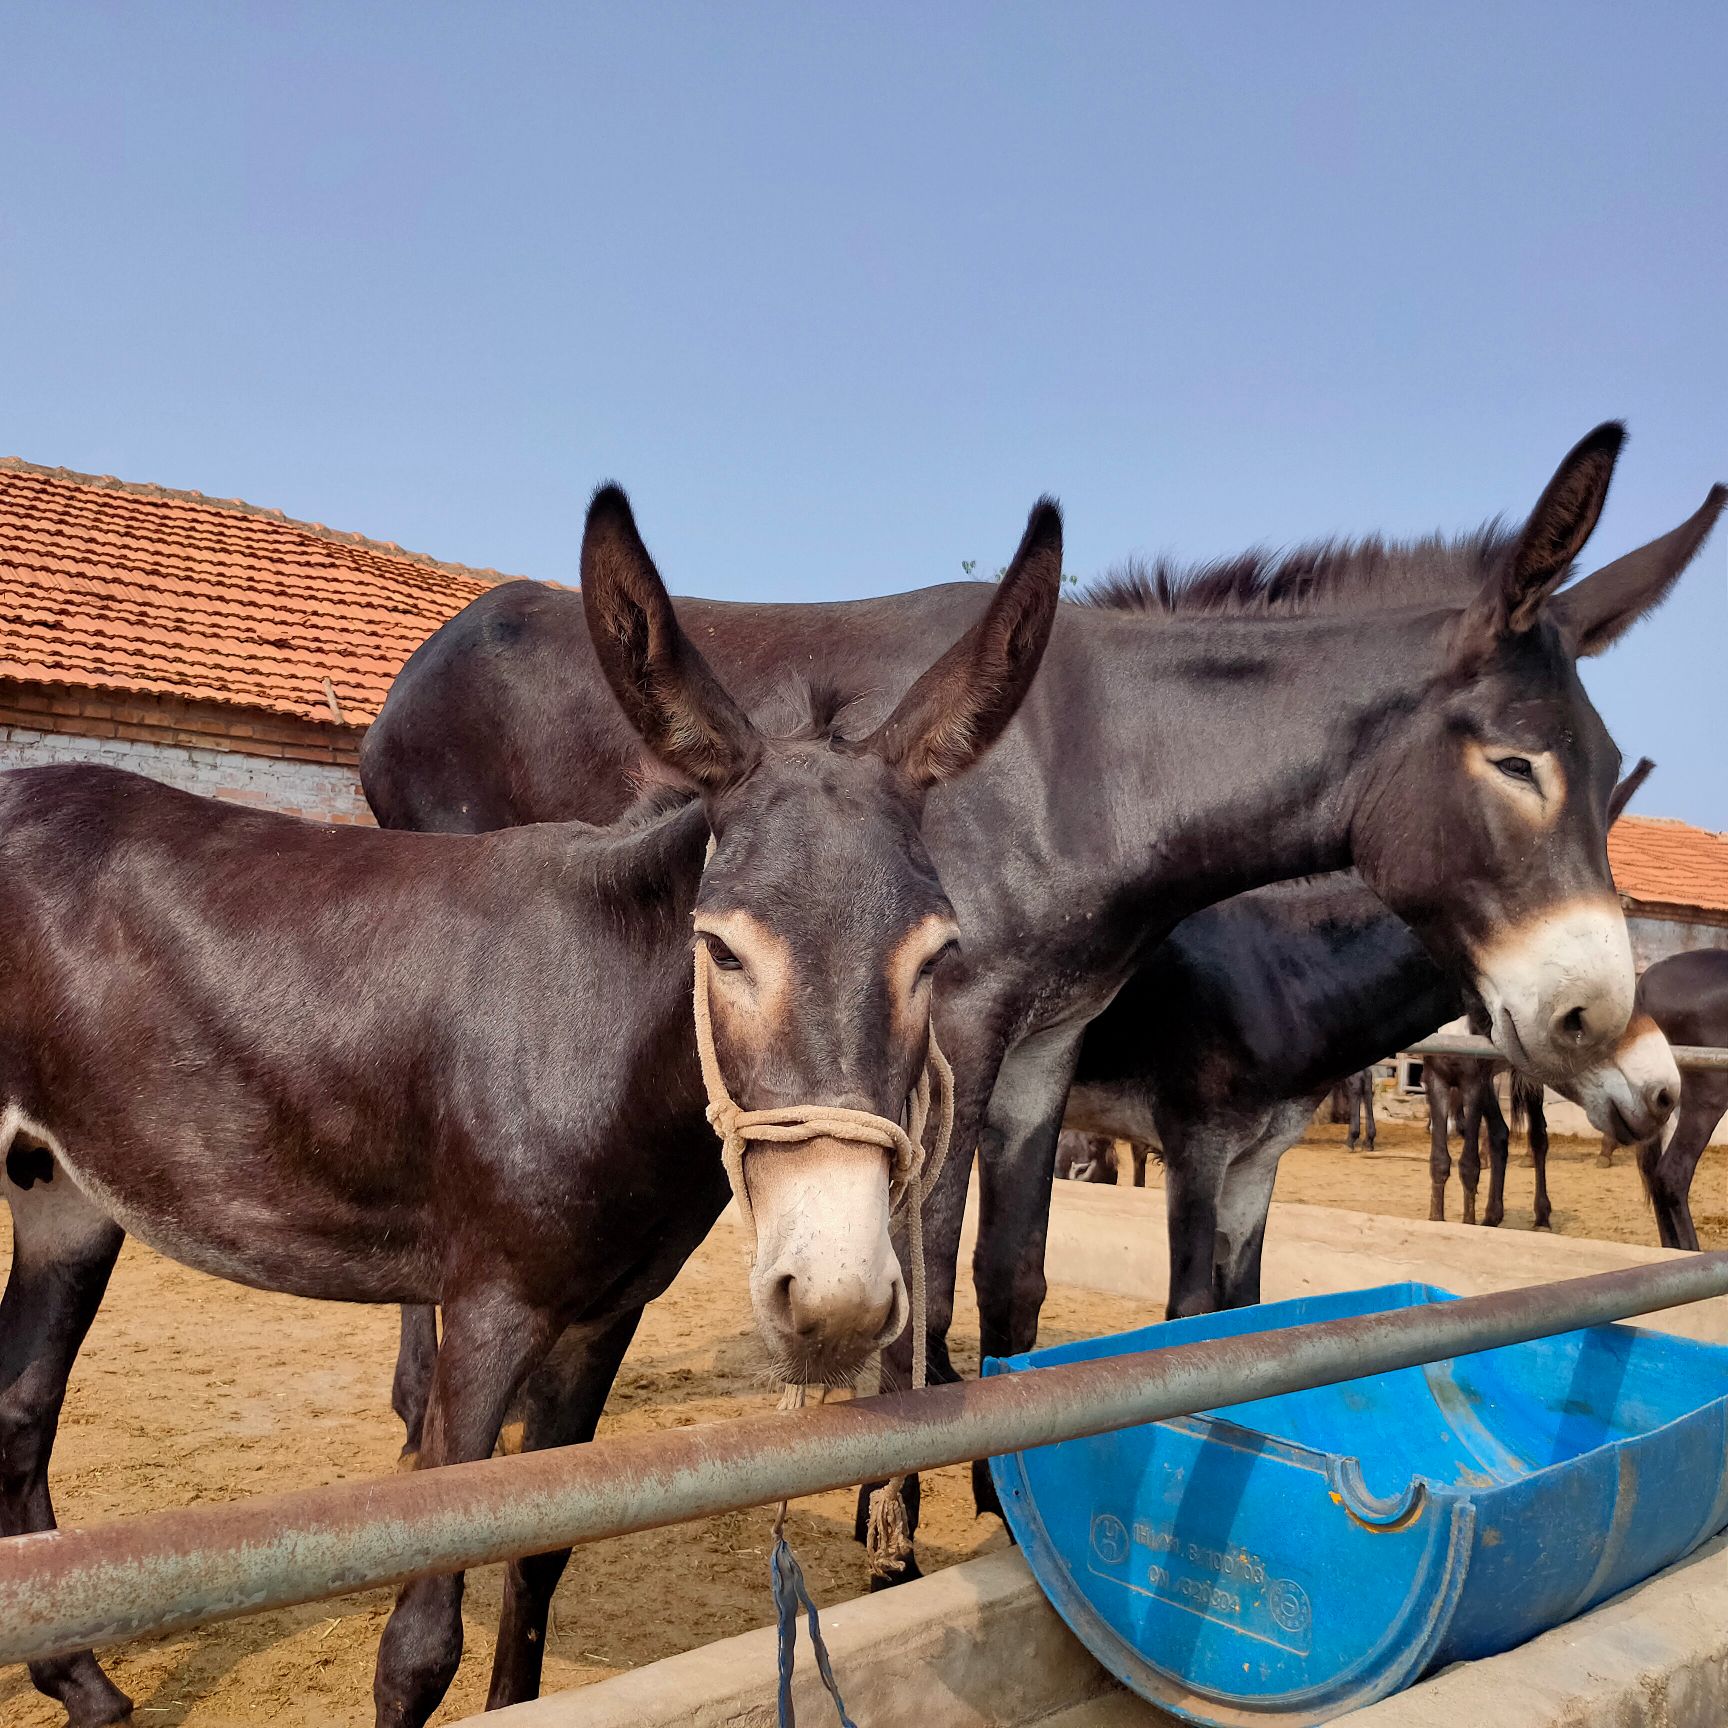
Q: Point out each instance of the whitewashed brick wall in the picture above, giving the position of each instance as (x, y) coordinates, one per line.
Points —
(323, 791)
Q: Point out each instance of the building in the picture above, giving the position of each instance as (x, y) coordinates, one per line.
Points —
(1673, 882)
(217, 646)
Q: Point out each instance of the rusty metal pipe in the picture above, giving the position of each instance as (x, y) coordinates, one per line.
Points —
(1686, 1056)
(66, 1589)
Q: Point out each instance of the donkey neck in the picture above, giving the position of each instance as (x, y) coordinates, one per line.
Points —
(1191, 758)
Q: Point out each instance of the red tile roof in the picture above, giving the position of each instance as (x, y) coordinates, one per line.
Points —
(110, 586)
(1658, 862)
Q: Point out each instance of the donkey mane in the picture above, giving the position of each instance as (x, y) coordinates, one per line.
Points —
(811, 711)
(1320, 576)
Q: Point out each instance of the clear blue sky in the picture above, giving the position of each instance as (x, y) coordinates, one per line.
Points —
(836, 290)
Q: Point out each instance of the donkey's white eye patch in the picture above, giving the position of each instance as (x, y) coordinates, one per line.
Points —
(914, 958)
(743, 945)
(1530, 780)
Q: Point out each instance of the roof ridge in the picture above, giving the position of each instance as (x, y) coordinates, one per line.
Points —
(1676, 822)
(240, 507)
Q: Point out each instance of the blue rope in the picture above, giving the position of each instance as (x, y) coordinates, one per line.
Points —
(789, 1591)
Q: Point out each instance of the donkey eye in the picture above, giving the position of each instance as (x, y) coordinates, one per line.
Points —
(1517, 768)
(928, 970)
(721, 955)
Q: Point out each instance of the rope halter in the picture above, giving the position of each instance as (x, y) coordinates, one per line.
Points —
(911, 1175)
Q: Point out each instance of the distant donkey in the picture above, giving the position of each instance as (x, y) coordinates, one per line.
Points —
(1353, 1102)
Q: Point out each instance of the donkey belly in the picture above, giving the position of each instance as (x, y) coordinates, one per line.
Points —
(218, 1215)
(1121, 1112)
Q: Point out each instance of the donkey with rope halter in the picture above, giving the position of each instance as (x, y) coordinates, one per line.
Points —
(1412, 708)
(411, 1068)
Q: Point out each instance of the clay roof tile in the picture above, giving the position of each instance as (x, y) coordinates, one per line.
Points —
(124, 587)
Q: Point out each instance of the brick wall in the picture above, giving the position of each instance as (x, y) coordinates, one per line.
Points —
(275, 762)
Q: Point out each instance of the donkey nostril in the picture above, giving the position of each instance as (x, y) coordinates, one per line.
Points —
(1662, 1100)
(783, 1299)
(1571, 1023)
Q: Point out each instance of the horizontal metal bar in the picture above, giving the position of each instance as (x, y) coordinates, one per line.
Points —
(63, 1590)
(1686, 1056)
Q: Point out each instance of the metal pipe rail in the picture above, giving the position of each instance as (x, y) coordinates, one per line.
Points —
(1686, 1056)
(66, 1589)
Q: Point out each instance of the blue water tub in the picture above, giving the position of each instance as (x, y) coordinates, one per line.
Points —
(1293, 1558)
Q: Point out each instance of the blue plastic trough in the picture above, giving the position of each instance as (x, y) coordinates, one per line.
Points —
(1294, 1558)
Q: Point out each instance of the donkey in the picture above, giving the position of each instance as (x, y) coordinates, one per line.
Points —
(388, 1067)
(1414, 710)
(1086, 1158)
(1460, 1089)
(1353, 1103)
(1687, 996)
(1221, 1046)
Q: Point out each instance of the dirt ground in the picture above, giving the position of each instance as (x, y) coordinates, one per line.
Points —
(191, 1390)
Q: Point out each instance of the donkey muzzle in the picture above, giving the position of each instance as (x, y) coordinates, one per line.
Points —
(826, 1285)
(1633, 1094)
(1558, 989)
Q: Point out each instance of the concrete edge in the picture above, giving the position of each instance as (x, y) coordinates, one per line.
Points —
(1655, 1657)
(977, 1646)
(973, 1646)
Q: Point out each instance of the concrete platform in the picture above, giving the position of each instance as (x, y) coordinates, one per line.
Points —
(977, 1646)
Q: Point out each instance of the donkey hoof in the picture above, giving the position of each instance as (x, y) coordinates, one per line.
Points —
(89, 1697)
(408, 1459)
(1604, 1160)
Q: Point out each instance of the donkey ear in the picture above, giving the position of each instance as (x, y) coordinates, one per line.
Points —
(958, 708)
(662, 683)
(1627, 790)
(1564, 518)
(1598, 611)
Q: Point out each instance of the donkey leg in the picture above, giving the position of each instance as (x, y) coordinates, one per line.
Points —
(1368, 1107)
(63, 1250)
(1605, 1153)
(563, 1401)
(1015, 1175)
(1668, 1176)
(1246, 1200)
(492, 1340)
(1499, 1152)
(1439, 1153)
(416, 1356)
(1470, 1155)
(1537, 1116)
(1196, 1160)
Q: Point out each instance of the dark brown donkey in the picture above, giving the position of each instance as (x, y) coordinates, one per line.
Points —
(1687, 996)
(385, 1067)
(1413, 709)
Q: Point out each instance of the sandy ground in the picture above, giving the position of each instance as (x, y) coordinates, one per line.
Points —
(191, 1390)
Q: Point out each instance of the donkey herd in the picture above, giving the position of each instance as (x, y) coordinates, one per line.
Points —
(1165, 862)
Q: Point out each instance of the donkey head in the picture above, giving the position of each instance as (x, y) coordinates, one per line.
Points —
(1632, 1090)
(1497, 809)
(821, 912)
